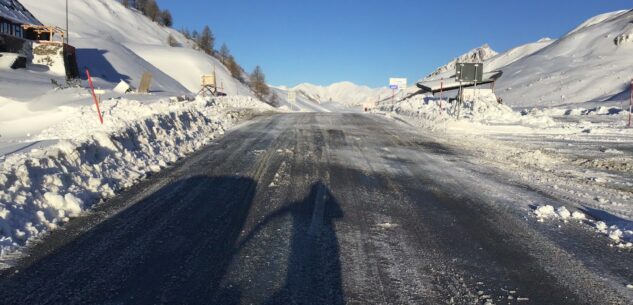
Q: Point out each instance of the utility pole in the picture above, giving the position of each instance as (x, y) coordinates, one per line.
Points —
(67, 33)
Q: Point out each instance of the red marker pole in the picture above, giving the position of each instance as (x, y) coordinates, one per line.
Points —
(94, 96)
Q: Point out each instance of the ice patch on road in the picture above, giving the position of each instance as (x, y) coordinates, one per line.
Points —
(387, 225)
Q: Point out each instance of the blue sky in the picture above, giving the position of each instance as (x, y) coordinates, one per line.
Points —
(368, 41)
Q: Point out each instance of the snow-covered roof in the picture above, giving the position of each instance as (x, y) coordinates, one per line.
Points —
(15, 11)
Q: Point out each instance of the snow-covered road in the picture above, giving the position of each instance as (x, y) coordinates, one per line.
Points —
(323, 208)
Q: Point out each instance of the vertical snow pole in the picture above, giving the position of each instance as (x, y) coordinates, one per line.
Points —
(441, 95)
(393, 99)
(94, 96)
(631, 104)
(460, 99)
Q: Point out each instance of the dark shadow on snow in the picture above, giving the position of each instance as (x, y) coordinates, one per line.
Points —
(607, 217)
(172, 247)
(95, 60)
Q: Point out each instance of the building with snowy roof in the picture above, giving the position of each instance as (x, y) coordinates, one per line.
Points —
(24, 39)
(14, 46)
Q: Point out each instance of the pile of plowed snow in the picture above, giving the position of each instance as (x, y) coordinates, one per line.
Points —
(478, 108)
(56, 158)
(45, 187)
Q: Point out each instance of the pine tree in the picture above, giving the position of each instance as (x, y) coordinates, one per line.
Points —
(224, 54)
(258, 83)
(166, 19)
(152, 10)
(185, 32)
(126, 3)
(140, 5)
(206, 40)
(235, 69)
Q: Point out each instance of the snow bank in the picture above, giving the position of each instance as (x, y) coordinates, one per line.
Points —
(480, 106)
(45, 187)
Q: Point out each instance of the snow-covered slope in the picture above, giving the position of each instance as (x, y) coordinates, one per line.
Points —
(590, 65)
(188, 65)
(584, 66)
(475, 55)
(512, 55)
(118, 43)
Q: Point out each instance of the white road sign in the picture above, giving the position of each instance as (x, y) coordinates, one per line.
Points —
(398, 83)
(292, 96)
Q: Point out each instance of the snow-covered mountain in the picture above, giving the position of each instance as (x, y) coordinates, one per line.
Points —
(476, 55)
(118, 43)
(590, 65)
(346, 93)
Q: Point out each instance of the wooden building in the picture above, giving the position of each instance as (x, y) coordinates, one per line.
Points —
(23, 38)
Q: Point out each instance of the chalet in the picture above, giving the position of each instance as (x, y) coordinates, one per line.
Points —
(15, 47)
(24, 39)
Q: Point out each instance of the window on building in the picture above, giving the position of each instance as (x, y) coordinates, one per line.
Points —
(18, 31)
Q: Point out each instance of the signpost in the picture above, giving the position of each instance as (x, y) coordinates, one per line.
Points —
(398, 83)
(469, 72)
(395, 84)
(292, 98)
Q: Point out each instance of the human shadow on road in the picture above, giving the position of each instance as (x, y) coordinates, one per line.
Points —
(314, 269)
(172, 247)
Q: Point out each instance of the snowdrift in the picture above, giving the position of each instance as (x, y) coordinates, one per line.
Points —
(188, 65)
(45, 187)
(480, 107)
(57, 160)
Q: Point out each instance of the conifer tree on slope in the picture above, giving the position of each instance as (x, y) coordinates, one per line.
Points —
(258, 83)
(206, 40)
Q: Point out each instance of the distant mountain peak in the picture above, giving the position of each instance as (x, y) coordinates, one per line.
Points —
(476, 55)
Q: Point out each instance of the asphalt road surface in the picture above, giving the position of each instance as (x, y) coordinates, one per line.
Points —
(321, 209)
